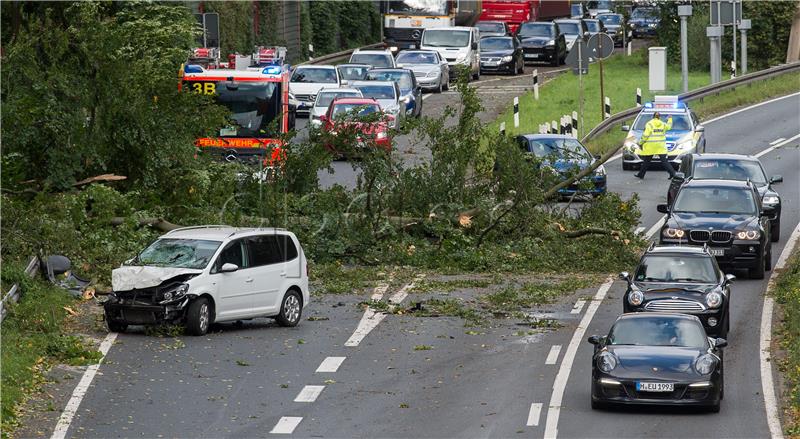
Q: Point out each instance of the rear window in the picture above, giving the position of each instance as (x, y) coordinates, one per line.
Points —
(536, 30)
(372, 59)
(403, 79)
(715, 200)
(569, 28)
(417, 58)
(490, 27)
(377, 91)
(270, 249)
(312, 75)
(729, 170)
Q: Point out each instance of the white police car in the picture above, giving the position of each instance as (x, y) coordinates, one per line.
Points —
(686, 136)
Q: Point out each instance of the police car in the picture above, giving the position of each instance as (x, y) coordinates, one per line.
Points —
(686, 136)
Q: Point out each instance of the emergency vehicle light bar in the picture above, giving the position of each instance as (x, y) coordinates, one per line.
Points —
(192, 68)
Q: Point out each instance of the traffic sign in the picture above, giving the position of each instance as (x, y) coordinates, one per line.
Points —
(579, 66)
(601, 46)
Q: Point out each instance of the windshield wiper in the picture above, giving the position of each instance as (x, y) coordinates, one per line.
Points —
(690, 279)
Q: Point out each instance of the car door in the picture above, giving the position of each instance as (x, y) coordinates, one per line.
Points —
(236, 289)
(417, 91)
(268, 270)
(675, 183)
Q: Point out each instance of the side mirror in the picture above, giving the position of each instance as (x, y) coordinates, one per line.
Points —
(228, 268)
(776, 179)
(626, 128)
(663, 208)
(594, 339)
(680, 176)
(700, 129)
(474, 46)
(625, 276)
(720, 343)
(729, 278)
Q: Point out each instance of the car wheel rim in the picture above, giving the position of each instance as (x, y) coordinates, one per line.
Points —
(291, 308)
(203, 317)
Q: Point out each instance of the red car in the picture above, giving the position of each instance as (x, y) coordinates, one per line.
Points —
(377, 131)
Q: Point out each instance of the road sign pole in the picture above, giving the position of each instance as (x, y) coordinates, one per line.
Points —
(579, 42)
(600, 65)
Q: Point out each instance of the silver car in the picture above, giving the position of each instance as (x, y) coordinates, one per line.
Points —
(387, 93)
(430, 70)
(324, 99)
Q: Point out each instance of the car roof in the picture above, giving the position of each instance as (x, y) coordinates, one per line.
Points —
(721, 156)
(219, 232)
(608, 13)
(712, 183)
(536, 22)
(499, 37)
(355, 101)
(391, 69)
(339, 90)
(462, 28)
(353, 65)
(374, 51)
(316, 66)
(567, 20)
(548, 136)
(418, 51)
(366, 83)
(674, 249)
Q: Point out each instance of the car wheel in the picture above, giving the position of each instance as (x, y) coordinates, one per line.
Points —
(757, 272)
(775, 231)
(439, 88)
(477, 76)
(768, 259)
(446, 85)
(115, 326)
(555, 61)
(199, 316)
(291, 309)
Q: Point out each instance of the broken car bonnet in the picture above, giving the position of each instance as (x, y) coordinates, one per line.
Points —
(138, 277)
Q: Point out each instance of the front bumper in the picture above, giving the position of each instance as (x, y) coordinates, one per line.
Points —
(596, 186)
(141, 314)
(633, 158)
(738, 254)
(719, 314)
(534, 54)
(507, 67)
(625, 392)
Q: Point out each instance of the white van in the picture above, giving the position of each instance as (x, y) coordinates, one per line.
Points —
(206, 274)
(459, 45)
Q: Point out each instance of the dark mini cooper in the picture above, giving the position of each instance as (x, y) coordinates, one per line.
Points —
(725, 215)
(684, 280)
(657, 359)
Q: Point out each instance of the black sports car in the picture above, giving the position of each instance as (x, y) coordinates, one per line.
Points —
(657, 359)
(684, 280)
(727, 216)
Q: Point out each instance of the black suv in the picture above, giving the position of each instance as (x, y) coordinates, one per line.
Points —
(542, 41)
(732, 167)
(685, 280)
(725, 215)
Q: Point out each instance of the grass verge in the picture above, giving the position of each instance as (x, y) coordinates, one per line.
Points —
(787, 293)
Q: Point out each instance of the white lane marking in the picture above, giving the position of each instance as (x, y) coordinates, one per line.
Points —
(80, 390)
(286, 425)
(615, 157)
(656, 227)
(309, 394)
(776, 146)
(368, 322)
(765, 341)
(749, 108)
(778, 140)
(533, 414)
(402, 293)
(380, 290)
(578, 306)
(552, 356)
(638, 231)
(330, 364)
(560, 384)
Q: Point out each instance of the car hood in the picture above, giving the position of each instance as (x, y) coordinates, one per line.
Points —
(711, 221)
(307, 88)
(423, 69)
(136, 277)
(496, 53)
(535, 41)
(685, 291)
(318, 111)
(669, 362)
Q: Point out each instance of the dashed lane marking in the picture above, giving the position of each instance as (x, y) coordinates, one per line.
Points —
(309, 394)
(330, 364)
(533, 414)
(286, 425)
(576, 309)
(552, 357)
(776, 146)
(402, 293)
(778, 140)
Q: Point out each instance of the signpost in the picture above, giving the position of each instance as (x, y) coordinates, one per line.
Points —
(601, 46)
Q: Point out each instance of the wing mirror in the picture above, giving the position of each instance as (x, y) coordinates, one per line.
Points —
(776, 179)
(663, 208)
(228, 268)
(729, 278)
(626, 128)
(720, 343)
(625, 276)
(594, 339)
(700, 129)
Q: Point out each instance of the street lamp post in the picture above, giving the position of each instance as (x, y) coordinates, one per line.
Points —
(714, 34)
(744, 26)
(684, 11)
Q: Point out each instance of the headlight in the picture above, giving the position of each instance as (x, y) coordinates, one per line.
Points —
(750, 235)
(461, 59)
(432, 74)
(630, 145)
(551, 43)
(606, 361)
(175, 294)
(673, 233)
(506, 58)
(635, 297)
(705, 364)
(713, 299)
(771, 199)
(600, 171)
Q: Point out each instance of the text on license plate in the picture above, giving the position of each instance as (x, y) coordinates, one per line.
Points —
(717, 252)
(654, 387)
(531, 55)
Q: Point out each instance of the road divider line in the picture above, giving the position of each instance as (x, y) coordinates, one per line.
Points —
(552, 356)
(533, 414)
(309, 394)
(765, 341)
(330, 364)
(286, 425)
(65, 420)
(656, 227)
(560, 384)
(576, 309)
(778, 140)
(776, 146)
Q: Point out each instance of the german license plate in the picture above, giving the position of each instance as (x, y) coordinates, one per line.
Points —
(490, 63)
(531, 55)
(717, 252)
(654, 387)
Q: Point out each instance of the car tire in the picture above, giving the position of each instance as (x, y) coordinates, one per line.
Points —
(115, 326)
(775, 231)
(439, 88)
(199, 316)
(476, 76)
(521, 67)
(714, 408)
(291, 309)
(446, 85)
(757, 272)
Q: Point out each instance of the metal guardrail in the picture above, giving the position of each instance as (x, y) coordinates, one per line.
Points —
(15, 292)
(334, 56)
(698, 94)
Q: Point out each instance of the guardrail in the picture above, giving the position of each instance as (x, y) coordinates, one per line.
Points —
(15, 291)
(334, 56)
(698, 94)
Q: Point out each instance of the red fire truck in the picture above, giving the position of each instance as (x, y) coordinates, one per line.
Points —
(514, 12)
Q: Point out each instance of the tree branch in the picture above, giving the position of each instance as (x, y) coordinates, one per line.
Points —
(604, 158)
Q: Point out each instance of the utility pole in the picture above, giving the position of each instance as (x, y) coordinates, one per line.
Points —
(714, 34)
(744, 26)
(793, 51)
(684, 11)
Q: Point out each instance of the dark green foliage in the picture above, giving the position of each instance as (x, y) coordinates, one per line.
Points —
(235, 25)
(787, 293)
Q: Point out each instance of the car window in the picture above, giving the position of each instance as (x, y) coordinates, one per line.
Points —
(680, 269)
(372, 59)
(498, 43)
(377, 91)
(403, 79)
(312, 75)
(490, 27)
(417, 58)
(286, 247)
(527, 30)
(263, 250)
(324, 99)
(593, 26)
(339, 110)
(741, 170)
(715, 200)
(680, 122)
(561, 148)
(569, 28)
(233, 253)
(352, 73)
(446, 38)
(612, 19)
(178, 253)
(658, 331)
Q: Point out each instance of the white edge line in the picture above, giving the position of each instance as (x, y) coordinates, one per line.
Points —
(552, 356)
(330, 364)
(560, 384)
(533, 414)
(638, 231)
(765, 341)
(65, 420)
(309, 394)
(656, 227)
(286, 425)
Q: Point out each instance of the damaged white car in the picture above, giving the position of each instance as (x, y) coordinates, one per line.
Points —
(206, 274)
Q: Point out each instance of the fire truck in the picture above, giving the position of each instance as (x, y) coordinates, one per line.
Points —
(258, 99)
(205, 57)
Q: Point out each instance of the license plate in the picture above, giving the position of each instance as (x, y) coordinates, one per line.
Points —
(655, 157)
(717, 252)
(490, 63)
(654, 387)
(531, 55)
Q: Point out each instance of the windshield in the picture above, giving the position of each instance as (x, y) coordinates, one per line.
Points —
(680, 122)
(377, 91)
(663, 268)
(658, 331)
(403, 79)
(416, 58)
(488, 26)
(610, 19)
(178, 253)
(372, 59)
(324, 98)
(445, 38)
(715, 200)
(349, 73)
(741, 170)
(527, 30)
(644, 13)
(568, 28)
(593, 25)
(421, 7)
(603, 4)
(312, 75)
(363, 109)
(559, 148)
(254, 106)
(491, 44)
(576, 10)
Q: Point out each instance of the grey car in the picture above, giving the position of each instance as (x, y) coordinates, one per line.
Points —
(352, 72)
(410, 91)
(387, 93)
(430, 70)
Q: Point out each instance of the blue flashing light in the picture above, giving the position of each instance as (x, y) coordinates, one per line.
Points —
(272, 70)
(648, 105)
(192, 68)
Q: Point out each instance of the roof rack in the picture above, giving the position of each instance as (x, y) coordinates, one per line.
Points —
(207, 226)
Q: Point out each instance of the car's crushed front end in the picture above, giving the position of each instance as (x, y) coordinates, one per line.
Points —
(140, 297)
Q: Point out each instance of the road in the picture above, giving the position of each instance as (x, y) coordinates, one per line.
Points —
(251, 380)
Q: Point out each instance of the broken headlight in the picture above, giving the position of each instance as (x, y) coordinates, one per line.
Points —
(174, 294)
